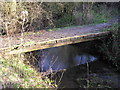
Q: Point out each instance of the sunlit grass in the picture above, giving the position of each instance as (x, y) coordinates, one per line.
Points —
(16, 74)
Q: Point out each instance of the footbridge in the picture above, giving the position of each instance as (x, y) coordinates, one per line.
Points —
(31, 41)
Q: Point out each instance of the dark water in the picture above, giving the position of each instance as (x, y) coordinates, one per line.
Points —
(65, 57)
(79, 65)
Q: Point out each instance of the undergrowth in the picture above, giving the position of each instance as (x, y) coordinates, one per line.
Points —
(15, 74)
(111, 47)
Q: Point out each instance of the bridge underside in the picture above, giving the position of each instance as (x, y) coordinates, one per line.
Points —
(26, 43)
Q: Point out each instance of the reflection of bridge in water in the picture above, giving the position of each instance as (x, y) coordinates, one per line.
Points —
(48, 39)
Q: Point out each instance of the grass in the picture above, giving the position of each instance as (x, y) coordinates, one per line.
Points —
(104, 14)
(113, 28)
(69, 27)
(16, 74)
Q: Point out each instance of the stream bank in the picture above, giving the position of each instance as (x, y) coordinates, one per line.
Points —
(79, 65)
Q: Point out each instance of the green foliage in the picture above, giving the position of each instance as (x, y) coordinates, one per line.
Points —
(83, 13)
(111, 50)
(16, 74)
(103, 13)
(53, 15)
(113, 28)
(66, 20)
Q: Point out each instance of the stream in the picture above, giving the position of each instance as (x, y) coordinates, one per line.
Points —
(78, 65)
(64, 57)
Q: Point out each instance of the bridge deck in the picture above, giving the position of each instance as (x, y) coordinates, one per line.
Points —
(36, 41)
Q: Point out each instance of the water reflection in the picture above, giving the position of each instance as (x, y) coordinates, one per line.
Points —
(64, 57)
(100, 75)
(83, 59)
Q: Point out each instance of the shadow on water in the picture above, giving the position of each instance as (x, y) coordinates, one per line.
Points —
(64, 57)
(78, 66)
